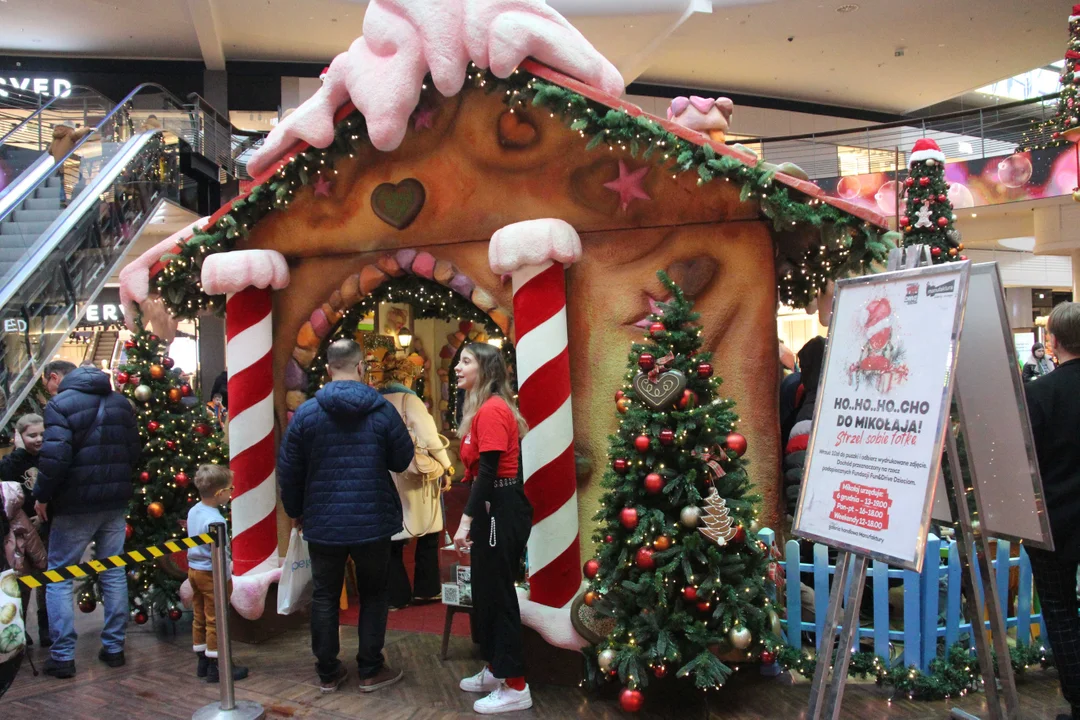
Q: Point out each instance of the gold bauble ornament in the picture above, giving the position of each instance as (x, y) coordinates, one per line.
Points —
(157, 372)
(143, 393)
(155, 510)
(1076, 195)
(662, 543)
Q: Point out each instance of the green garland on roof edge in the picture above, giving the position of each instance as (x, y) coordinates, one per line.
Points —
(953, 674)
(849, 245)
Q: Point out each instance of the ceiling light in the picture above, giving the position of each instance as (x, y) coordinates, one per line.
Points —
(848, 8)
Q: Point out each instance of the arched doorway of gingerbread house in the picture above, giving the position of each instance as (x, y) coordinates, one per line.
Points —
(413, 331)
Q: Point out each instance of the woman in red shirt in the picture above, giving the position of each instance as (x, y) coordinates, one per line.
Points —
(496, 525)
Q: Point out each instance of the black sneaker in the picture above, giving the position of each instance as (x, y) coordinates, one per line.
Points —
(204, 664)
(112, 659)
(213, 674)
(60, 669)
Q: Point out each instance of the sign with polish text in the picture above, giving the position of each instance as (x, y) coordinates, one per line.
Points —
(881, 412)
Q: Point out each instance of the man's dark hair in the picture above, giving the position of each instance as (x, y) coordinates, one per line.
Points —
(60, 367)
(344, 354)
(1064, 325)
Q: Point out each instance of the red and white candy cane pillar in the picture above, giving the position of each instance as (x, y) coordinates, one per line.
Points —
(534, 253)
(246, 277)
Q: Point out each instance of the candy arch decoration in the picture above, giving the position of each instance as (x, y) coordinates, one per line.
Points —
(324, 319)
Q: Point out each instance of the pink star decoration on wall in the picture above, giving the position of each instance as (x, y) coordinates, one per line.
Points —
(628, 185)
(322, 187)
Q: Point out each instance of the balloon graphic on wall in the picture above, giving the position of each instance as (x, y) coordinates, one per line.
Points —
(960, 196)
(886, 198)
(1015, 170)
(849, 187)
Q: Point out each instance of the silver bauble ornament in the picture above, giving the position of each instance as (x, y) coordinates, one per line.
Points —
(143, 393)
(930, 162)
(740, 637)
(606, 659)
(690, 516)
(774, 624)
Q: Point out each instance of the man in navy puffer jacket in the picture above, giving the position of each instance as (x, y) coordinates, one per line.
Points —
(334, 471)
(84, 482)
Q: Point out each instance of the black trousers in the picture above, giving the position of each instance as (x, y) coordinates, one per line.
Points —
(1055, 581)
(425, 570)
(328, 576)
(496, 557)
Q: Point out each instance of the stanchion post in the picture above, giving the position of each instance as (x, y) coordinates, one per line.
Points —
(228, 707)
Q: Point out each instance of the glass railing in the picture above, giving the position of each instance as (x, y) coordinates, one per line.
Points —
(41, 298)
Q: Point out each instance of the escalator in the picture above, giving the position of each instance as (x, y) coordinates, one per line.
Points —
(67, 223)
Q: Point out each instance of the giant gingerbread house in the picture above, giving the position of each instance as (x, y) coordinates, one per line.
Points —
(491, 155)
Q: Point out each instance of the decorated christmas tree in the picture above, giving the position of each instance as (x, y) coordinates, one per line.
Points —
(929, 218)
(1066, 121)
(689, 588)
(178, 436)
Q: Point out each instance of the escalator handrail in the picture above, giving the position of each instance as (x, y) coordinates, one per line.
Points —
(120, 105)
(45, 107)
(56, 232)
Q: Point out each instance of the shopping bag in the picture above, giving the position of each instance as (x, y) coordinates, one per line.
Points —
(294, 590)
(12, 630)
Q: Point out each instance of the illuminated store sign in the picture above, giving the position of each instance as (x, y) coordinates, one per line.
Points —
(57, 87)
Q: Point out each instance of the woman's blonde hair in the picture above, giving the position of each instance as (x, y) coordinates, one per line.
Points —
(492, 378)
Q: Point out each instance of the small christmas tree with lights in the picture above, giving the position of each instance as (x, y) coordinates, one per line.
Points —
(929, 218)
(178, 436)
(689, 588)
(1066, 121)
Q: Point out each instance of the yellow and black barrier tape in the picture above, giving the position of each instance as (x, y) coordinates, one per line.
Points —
(86, 569)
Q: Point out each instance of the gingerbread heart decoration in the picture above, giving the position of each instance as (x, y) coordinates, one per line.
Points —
(664, 392)
(398, 205)
(515, 131)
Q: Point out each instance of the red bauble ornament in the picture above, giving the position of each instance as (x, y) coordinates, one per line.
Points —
(662, 543)
(631, 700)
(144, 477)
(129, 344)
(181, 479)
(646, 362)
(644, 559)
(202, 429)
(736, 443)
(924, 181)
(935, 252)
(140, 618)
(704, 370)
(703, 606)
(619, 395)
(660, 672)
(128, 531)
(153, 426)
(942, 221)
(656, 328)
(963, 257)
(622, 405)
(689, 593)
(768, 657)
(154, 338)
(667, 436)
(740, 534)
(609, 539)
(122, 378)
(629, 518)
(905, 220)
(175, 614)
(185, 390)
(171, 444)
(168, 362)
(592, 567)
(688, 401)
(620, 465)
(908, 182)
(157, 372)
(155, 510)
(942, 198)
(642, 443)
(88, 605)
(654, 483)
(175, 395)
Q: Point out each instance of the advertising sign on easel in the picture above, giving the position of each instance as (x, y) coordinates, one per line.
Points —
(882, 409)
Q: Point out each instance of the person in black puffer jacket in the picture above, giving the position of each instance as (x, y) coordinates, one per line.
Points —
(334, 472)
(84, 483)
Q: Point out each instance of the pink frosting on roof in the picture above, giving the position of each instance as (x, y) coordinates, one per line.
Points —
(404, 40)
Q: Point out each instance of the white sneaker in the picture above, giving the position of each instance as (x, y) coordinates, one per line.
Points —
(504, 699)
(481, 682)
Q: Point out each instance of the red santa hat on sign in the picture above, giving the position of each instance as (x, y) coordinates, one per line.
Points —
(925, 149)
(878, 323)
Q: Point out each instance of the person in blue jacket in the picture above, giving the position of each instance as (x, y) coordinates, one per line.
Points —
(334, 472)
(84, 483)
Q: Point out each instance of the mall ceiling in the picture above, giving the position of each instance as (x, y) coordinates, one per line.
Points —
(880, 55)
